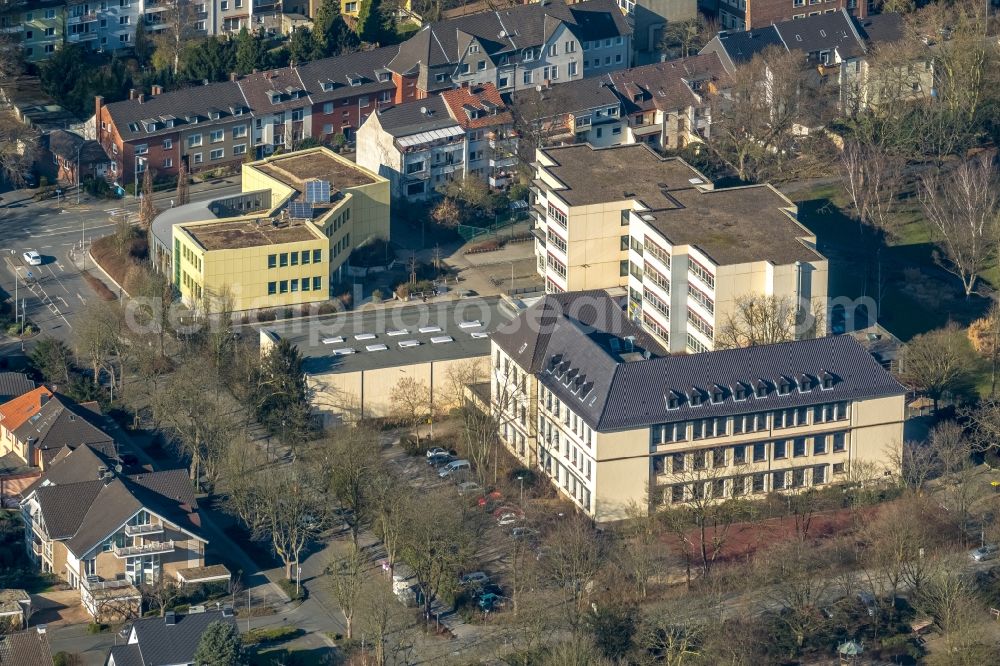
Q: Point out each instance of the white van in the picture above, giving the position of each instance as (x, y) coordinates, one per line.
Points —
(454, 466)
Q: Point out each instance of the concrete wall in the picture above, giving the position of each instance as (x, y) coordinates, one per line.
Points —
(348, 396)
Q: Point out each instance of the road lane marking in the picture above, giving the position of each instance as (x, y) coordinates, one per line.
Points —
(80, 297)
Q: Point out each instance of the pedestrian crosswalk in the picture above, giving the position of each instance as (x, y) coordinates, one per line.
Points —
(116, 213)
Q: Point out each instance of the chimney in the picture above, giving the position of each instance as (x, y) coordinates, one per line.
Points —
(131, 94)
(233, 76)
(141, 97)
(157, 89)
(98, 106)
(42, 628)
(169, 618)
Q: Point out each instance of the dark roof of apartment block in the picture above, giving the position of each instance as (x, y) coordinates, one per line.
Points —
(423, 115)
(351, 74)
(669, 85)
(508, 30)
(182, 106)
(25, 648)
(821, 33)
(477, 106)
(569, 97)
(273, 90)
(612, 393)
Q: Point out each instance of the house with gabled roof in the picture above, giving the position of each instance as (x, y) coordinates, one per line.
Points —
(616, 422)
(421, 145)
(26, 648)
(516, 47)
(39, 424)
(171, 640)
(106, 532)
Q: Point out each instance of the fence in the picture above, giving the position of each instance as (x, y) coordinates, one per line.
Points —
(469, 232)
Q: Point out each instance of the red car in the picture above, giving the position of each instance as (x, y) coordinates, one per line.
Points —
(490, 498)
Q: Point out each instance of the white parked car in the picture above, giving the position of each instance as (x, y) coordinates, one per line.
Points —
(32, 258)
(436, 451)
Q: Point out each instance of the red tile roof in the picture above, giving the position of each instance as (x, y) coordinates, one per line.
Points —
(15, 412)
(474, 96)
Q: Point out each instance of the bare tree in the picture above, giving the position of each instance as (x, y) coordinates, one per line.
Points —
(796, 578)
(288, 509)
(963, 208)
(147, 209)
(11, 56)
(390, 499)
(937, 363)
(350, 462)
(183, 187)
(685, 38)
(951, 599)
(411, 402)
(872, 176)
(984, 334)
(575, 555)
(757, 319)
(178, 29)
(160, 594)
(18, 146)
(346, 579)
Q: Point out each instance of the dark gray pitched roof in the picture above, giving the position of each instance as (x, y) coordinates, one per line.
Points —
(124, 655)
(637, 392)
(73, 466)
(61, 422)
(881, 28)
(179, 104)
(161, 644)
(285, 83)
(563, 98)
(13, 384)
(668, 85)
(66, 144)
(585, 317)
(741, 46)
(334, 73)
(409, 118)
(509, 30)
(25, 648)
(88, 512)
(821, 33)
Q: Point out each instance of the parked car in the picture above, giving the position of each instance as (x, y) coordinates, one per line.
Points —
(983, 553)
(436, 451)
(508, 516)
(30, 180)
(521, 532)
(32, 258)
(474, 578)
(519, 204)
(439, 459)
(454, 467)
(469, 488)
(492, 496)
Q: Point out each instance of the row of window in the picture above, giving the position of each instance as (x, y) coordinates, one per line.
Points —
(340, 246)
(761, 482)
(608, 43)
(556, 265)
(701, 298)
(294, 285)
(658, 303)
(655, 328)
(656, 278)
(569, 418)
(575, 487)
(662, 255)
(699, 323)
(564, 446)
(557, 215)
(305, 257)
(701, 273)
(740, 424)
(334, 225)
(596, 62)
(192, 286)
(555, 239)
(742, 454)
(191, 257)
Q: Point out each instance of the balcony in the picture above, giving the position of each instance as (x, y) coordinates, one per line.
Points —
(83, 37)
(144, 530)
(36, 548)
(503, 162)
(501, 180)
(154, 548)
(11, 29)
(91, 584)
(83, 18)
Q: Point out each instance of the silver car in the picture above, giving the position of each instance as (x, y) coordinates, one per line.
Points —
(983, 553)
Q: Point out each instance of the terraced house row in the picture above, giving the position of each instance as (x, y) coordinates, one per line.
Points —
(221, 123)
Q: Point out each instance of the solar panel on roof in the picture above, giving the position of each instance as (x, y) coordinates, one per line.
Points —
(300, 210)
(318, 191)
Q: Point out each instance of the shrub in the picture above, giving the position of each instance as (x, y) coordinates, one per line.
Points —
(412, 446)
(96, 628)
(270, 635)
(290, 589)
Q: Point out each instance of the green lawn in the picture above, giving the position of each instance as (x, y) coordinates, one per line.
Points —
(912, 293)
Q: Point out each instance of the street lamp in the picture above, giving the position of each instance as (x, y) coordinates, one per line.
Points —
(520, 477)
(78, 149)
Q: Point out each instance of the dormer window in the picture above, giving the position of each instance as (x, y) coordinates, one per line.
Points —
(354, 80)
(674, 400)
(805, 382)
(718, 394)
(827, 380)
(761, 388)
(133, 127)
(695, 396)
(740, 391)
(327, 86)
(784, 386)
(384, 76)
(274, 95)
(214, 114)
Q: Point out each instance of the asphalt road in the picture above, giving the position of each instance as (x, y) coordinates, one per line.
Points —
(56, 291)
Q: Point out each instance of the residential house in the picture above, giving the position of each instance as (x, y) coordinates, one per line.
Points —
(668, 105)
(421, 145)
(613, 423)
(281, 109)
(683, 249)
(171, 640)
(105, 532)
(649, 19)
(348, 89)
(753, 14)
(14, 384)
(283, 241)
(77, 159)
(26, 648)
(516, 48)
(837, 45)
(40, 424)
(40, 26)
(582, 111)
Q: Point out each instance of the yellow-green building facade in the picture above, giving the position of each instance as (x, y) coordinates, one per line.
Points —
(268, 259)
